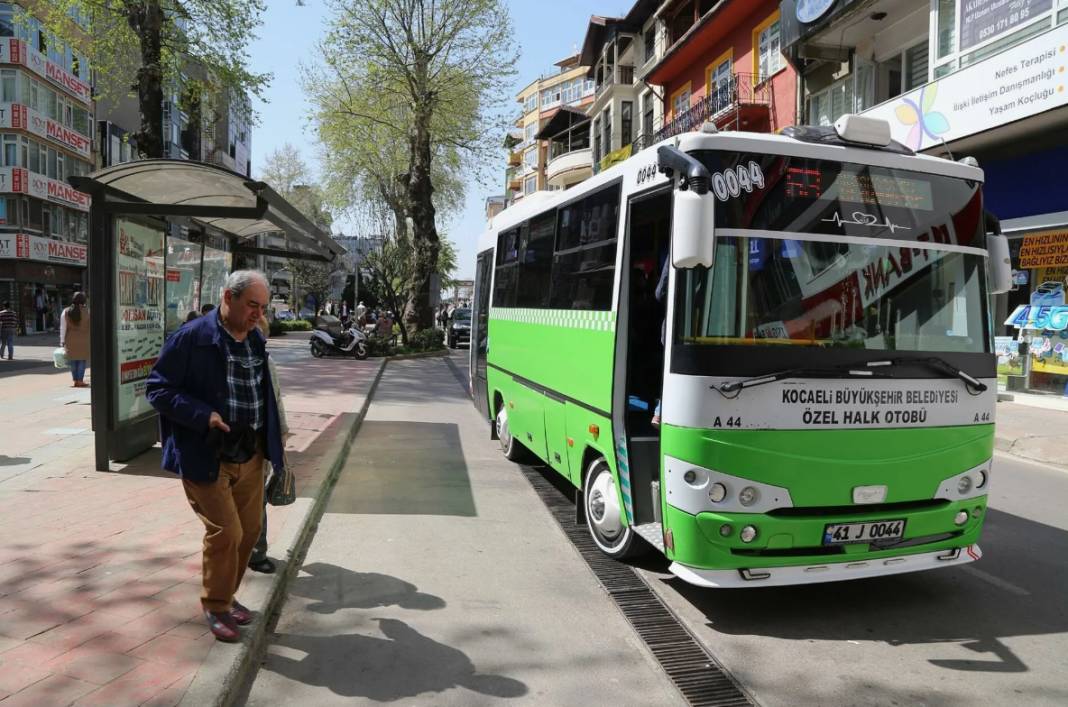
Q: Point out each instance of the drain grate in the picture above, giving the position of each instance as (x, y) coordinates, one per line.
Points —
(696, 674)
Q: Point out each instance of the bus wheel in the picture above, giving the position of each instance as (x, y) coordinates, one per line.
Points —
(512, 448)
(604, 517)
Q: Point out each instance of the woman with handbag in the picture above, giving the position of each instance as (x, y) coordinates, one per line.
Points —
(74, 338)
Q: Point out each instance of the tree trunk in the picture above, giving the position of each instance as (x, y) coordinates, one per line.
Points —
(419, 314)
(146, 19)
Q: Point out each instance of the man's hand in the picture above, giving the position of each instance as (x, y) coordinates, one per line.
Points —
(216, 421)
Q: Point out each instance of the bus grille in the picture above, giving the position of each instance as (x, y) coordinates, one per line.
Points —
(823, 550)
(899, 507)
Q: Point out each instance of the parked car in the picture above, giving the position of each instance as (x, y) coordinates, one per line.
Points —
(459, 329)
(285, 315)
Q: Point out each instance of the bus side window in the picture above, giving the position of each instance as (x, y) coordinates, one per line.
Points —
(536, 262)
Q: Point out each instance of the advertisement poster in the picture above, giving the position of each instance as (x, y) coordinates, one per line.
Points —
(138, 313)
(982, 19)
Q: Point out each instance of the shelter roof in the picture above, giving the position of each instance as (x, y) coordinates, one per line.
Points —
(207, 193)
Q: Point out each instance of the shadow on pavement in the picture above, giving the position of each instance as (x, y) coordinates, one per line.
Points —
(332, 588)
(13, 461)
(408, 383)
(1016, 589)
(405, 468)
(402, 663)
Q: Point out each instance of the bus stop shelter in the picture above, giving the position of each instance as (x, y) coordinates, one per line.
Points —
(164, 234)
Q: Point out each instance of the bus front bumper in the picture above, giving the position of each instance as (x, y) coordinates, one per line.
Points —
(826, 572)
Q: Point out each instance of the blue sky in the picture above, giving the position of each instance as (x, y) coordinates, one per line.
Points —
(547, 30)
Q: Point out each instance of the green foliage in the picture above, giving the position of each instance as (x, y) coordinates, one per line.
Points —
(279, 326)
(427, 340)
(146, 47)
(410, 100)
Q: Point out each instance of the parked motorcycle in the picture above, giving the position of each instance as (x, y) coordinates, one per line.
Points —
(330, 338)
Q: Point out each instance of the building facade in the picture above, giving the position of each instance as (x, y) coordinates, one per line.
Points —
(957, 78)
(46, 135)
(722, 63)
(539, 101)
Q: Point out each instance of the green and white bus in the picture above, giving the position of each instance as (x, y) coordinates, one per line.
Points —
(821, 349)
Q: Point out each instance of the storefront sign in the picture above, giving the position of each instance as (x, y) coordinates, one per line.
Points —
(1017, 83)
(15, 51)
(982, 19)
(22, 246)
(139, 314)
(17, 180)
(1044, 250)
(1041, 317)
(20, 117)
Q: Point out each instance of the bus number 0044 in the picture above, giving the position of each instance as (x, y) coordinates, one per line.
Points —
(730, 183)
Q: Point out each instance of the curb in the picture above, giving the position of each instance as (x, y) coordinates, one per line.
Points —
(222, 676)
(420, 354)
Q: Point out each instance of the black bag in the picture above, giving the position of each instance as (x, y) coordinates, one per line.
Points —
(282, 488)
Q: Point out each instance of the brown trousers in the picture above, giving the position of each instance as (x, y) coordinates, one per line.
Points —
(231, 508)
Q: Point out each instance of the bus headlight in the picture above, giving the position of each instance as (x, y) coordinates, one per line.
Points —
(964, 485)
(717, 492)
(982, 480)
(748, 496)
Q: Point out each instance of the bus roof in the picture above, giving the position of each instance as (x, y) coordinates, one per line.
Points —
(736, 141)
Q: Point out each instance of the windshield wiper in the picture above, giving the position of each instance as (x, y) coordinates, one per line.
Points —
(737, 386)
(941, 364)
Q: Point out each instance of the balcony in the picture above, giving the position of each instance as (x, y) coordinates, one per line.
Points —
(622, 76)
(569, 167)
(515, 158)
(742, 102)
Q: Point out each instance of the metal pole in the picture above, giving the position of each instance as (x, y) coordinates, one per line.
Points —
(102, 264)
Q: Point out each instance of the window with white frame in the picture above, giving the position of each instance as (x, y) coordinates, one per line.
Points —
(769, 54)
(680, 102)
(531, 102)
(529, 131)
(963, 37)
(719, 85)
(530, 184)
(530, 157)
(853, 94)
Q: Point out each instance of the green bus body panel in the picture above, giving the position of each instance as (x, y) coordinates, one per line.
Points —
(821, 467)
(569, 352)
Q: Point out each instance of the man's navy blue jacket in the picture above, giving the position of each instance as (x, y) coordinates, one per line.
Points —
(188, 383)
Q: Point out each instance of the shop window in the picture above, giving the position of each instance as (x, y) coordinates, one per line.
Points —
(53, 166)
(11, 212)
(8, 79)
(915, 66)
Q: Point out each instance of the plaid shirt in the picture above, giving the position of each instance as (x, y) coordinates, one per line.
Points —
(244, 381)
(9, 321)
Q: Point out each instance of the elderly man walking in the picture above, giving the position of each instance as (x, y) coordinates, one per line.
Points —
(218, 421)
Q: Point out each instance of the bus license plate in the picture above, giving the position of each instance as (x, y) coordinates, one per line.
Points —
(863, 532)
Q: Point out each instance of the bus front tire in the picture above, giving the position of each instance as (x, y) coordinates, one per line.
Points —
(604, 516)
(512, 448)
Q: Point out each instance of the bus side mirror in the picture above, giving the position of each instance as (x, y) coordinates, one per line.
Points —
(693, 240)
(999, 264)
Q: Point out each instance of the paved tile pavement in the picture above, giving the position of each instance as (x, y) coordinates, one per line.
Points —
(100, 571)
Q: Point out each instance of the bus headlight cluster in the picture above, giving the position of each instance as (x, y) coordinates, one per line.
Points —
(964, 485)
(717, 492)
(748, 496)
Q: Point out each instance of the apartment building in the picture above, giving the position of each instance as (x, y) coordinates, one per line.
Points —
(46, 135)
(960, 78)
(569, 88)
(722, 63)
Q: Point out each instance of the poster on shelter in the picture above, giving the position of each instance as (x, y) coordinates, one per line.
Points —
(139, 313)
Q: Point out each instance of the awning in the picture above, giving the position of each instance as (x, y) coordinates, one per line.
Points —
(564, 119)
(209, 194)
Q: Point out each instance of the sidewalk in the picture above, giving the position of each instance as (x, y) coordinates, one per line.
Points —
(437, 576)
(100, 571)
(1034, 427)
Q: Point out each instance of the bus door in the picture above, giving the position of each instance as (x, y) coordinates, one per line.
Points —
(639, 348)
(480, 332)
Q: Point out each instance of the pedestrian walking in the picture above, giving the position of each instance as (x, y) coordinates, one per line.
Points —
(74, 338)
(218, 421)
(9, 324)
(361, 312)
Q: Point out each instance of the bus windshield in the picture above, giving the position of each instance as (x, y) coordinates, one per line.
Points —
(773, 291)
